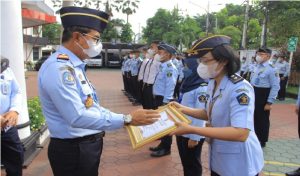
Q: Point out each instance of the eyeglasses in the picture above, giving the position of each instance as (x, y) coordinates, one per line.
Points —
(96, 39)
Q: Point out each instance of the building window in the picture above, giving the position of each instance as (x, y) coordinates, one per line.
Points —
(35, 31)
(35, 53)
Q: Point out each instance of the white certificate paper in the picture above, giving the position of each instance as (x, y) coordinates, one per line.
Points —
(162, 124)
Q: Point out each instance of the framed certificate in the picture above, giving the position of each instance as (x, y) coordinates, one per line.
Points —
(142, 135)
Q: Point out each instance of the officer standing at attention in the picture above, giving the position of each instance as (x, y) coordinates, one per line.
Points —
(178, 62)
(193, 94)
(297, 171)
(265, 81)
(163, 90)
(12, 152)
(283, 68)
(142, 73)
(233, 145)
(151, 71)
(75, 119)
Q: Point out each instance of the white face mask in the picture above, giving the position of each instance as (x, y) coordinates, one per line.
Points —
(151, 52)
(93, 50)
(157, 57)
(208, 71)
(259, 59)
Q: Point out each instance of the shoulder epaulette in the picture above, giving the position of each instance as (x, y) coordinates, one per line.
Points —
(169, 64)
(62, 57)
(236, 78)
(272, 65)
(203, 84)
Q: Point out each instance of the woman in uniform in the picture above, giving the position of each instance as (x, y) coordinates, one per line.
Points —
(234, 147)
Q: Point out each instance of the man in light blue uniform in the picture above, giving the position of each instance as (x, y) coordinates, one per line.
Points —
(265, 81)
(163, 90)
(75, 119)
(193, 94)
(283, 68)
(134, 70)
(12, 152)
(177, 61)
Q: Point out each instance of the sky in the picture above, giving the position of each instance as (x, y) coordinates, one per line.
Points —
(148, 8)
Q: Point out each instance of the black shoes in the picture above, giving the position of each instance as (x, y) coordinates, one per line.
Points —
(160, 153)
(294, 173)
(154, 149)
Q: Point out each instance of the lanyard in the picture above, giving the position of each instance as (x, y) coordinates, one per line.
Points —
(95, 98)
(211, 105)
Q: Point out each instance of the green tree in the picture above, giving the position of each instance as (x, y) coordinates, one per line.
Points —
(53, 32)
(111, 32)
(234, 33)
(126, 35)
(127, 7)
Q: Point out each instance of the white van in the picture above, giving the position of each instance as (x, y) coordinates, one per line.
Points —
(94, 61)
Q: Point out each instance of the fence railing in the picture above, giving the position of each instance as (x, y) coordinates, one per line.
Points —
(294, 78)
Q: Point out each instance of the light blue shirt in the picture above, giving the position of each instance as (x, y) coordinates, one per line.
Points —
(63, 90)
(179, 65)
(234, 107)
(123, 65)
(266, 76)
(165, 81)
(195, 99)
(127, 65)
(10, 94)
(283, 67)
(134, 66)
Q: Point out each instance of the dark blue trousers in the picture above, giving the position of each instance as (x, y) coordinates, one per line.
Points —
(12, 152)
(190, 157)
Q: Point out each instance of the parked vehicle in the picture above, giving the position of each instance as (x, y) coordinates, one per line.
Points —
(39, 63)
(113, 60)
(94, 61)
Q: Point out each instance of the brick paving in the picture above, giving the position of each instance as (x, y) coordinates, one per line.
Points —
(282, 152)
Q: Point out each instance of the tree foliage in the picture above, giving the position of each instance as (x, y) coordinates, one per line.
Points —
(126, 35)
(53, 32)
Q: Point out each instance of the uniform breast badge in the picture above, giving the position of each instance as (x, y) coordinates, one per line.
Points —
(89, 101)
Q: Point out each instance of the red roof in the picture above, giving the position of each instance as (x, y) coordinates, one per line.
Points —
(33, 18)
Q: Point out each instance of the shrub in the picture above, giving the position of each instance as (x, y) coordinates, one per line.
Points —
(35, 114)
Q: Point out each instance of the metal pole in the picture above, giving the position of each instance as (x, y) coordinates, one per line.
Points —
(264, 30)
(245, 26)
(207, 18)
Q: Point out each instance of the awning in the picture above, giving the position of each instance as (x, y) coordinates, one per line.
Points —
(33, 18)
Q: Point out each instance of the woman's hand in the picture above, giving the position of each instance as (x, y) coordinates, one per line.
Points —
(182, 128)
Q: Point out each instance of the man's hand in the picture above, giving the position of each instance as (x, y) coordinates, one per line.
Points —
(282, 78)
(144, 117)
(11, 117)
(192, 143)
(3, 121)
(268, 107)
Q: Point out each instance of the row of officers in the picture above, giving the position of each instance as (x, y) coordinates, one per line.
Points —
(279, 62)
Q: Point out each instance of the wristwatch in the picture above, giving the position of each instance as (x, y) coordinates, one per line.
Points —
(127, 119)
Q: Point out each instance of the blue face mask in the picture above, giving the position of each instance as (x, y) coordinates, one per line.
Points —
(186, 72)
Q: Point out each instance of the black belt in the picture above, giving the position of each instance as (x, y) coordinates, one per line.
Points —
(146, 84)
(91, 137)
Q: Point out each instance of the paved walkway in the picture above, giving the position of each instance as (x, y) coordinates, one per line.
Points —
(282, 152)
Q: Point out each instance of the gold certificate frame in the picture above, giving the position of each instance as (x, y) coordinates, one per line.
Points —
(142, 135)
